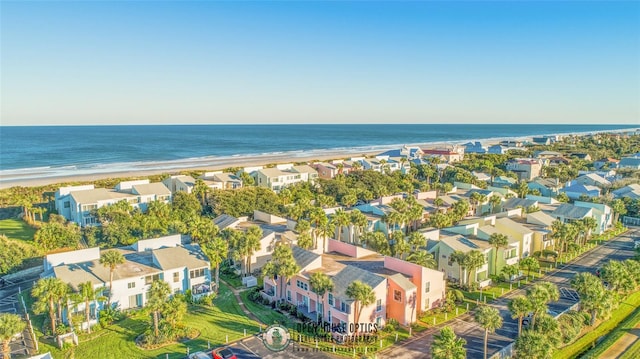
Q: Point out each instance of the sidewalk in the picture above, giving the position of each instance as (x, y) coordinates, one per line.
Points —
(236, 293)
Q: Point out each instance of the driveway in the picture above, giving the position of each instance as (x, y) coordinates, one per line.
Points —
(620, 248)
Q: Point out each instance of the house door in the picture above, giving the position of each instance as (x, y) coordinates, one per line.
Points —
(305, 301)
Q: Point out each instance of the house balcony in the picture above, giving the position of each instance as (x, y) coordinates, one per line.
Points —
(311, 314)
(484, 283)
(511, 261)
(201, 290)
(269, 294)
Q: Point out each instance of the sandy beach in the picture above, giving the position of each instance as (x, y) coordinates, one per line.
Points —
(205, 165)
(48, 176)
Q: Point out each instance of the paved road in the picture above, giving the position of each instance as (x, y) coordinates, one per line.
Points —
(9, 303)
(620, 248)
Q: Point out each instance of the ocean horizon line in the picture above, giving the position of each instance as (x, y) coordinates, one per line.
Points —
(625, 125)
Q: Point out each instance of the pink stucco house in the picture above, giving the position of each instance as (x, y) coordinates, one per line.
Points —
(402, 289)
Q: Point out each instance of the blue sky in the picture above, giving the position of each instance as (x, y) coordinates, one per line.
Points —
(315, 62)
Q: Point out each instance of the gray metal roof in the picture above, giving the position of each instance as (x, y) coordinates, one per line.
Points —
(570, 211)
(303, 257)
(402, 281)
(350, 274)
(189, 256)
(224, 220)
(512, 203)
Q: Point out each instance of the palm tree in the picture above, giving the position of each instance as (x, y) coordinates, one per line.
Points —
(400, 245)
(47, 292)
(534, 345)
(359, 221)
(422, 258)
(217, 250)
(362, 295)
(285, 265)
(472, 261)
(489, 318)
(495, 201)
(88, 294)
(341, 219)
(590, 224)
(519, 307)
(539, 295)
(305, 241)
(593, 296)
(158, 294)
(618, 208)
(417, 240)
(10, 325)
(446, 345)
(522, 188)
(111, 259)
(250, 243)
(320, 284)
(318, 218)
(326, 230)
(531, 263)
(497, 241)
(458, 257)
(438, 202)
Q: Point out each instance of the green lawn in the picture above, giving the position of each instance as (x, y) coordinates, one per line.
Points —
(616, 334)
(215, 324)
(266, 315)
(624, 310)
(232, 279)
(633, 352)
(17, 229)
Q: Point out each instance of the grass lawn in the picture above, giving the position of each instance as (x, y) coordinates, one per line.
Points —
(266, 315)
(234, 280)
(633, 352)
(17, 229)
(624, 310)
(215, 323)
(629, 323)
(428, 320)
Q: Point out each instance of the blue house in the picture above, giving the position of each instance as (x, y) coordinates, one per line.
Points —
(577, 190)
(474, 147)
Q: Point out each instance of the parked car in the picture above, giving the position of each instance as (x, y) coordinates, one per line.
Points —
(223, 353)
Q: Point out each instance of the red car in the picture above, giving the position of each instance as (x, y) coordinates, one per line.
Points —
(223, 353)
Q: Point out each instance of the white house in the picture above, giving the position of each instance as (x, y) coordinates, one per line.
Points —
(184, 267)
(282, 176)
(76, 203)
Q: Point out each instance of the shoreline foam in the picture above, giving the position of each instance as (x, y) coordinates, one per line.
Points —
(45, 175)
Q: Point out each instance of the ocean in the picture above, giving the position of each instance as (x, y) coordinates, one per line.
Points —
(54, 151)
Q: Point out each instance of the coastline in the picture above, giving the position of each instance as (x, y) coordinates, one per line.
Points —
(33, 177)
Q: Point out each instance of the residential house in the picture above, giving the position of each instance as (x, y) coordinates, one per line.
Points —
(180, 183)
(548, 187)
(524, 203)
(402, 289)
(630, 162)
(518, 231)
(601, 212)
(632, 191)
(183, 267)
(546, 154)
(567, 213)
(541, 140)
(504, 181)
(474, 147)
(576, 191)
(503, 256)
(525, 168)
(447, 155)
(326, 170)
(222, 180)
(607, 162)
(77, 203)
(282, 176)
(481, 176)
(540, 223)
(592, 179)
(450, 243)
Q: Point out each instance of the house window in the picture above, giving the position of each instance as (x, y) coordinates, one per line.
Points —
(151, 278)
(131, 285)
(67, 204)
(378, 305)
(427, 287)
(426, 303)
(379, 321)
(330, 299)
(176, 277)
(397, 295)
(289, 295)
(196, 273)
(302, 285)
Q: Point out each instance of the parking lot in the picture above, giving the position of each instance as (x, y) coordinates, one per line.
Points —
(253, 348)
